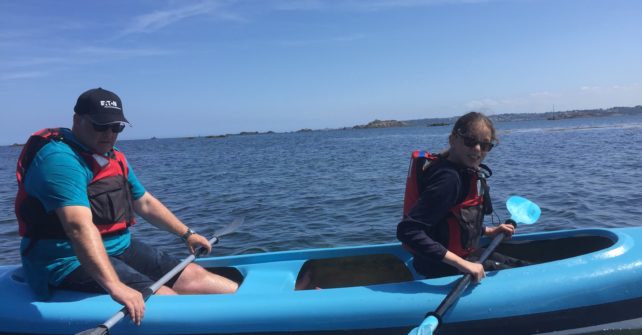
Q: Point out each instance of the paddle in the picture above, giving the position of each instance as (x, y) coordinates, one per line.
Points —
(523, 211)
(103, 329)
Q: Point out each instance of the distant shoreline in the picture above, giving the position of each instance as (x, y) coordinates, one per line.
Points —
(439, 122)
(445, 121)
(552, 116)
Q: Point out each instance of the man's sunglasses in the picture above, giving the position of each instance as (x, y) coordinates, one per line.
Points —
(115, 127)
(471, 143)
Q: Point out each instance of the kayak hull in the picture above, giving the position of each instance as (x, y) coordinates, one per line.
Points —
(579, 278)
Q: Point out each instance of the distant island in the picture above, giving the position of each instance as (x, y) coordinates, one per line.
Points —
(382, 124)
(508, 117)
(446, 121)
(243, 133)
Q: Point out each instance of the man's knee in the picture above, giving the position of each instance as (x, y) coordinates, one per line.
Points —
(194, 272)
(164, 290)
(192, 276)
(196, 279)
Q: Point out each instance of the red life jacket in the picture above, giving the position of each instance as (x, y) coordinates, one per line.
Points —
(109, 193)
(465, 220)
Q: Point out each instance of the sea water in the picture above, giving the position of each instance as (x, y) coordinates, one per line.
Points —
(345, 187)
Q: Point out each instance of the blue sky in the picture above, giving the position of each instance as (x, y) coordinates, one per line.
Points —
(190, 68)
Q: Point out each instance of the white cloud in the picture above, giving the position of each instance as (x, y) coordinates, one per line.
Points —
(306, 42)
(544, 94)
(38, 67)
(387, 4)
(121, 52)
(611, 89)
(238, 11)
(296, 5)
(34, 61)
(485, 103)
(360, 5)
(23, 75)
(584, 97)
(159, 19)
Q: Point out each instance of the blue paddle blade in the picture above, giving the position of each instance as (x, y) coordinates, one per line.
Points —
(523, 210)
(427, 327)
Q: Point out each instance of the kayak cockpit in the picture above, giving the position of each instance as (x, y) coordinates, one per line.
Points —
(377, 264)
(375, 269)
(549, 250)
(352, 271)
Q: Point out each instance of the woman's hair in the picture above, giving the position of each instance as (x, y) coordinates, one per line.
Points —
(463, 124)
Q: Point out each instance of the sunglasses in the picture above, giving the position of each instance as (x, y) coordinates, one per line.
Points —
(471, 143)
(115, 127)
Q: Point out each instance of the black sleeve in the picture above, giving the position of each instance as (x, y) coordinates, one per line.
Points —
(420, 228)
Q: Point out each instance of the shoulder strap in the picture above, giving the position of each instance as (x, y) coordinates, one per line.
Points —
(483, 173)
(38, 140)
(35, 142)
(420, 160)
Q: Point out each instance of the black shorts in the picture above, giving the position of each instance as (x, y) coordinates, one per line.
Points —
(138, 267)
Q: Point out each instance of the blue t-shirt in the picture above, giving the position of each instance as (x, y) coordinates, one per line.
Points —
(58, 177)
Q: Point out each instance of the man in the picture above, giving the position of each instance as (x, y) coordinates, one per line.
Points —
(76, 199)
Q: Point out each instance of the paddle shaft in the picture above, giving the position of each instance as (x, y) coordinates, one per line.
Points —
(162, 281)
(103, 328)
(528, 213)
(452, 297)
(433, 319)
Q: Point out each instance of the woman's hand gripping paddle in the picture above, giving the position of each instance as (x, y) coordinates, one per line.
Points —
(522, 211)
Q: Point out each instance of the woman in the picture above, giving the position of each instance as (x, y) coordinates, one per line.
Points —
(443, 223)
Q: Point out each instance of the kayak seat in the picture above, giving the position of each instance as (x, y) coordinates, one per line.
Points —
(349, 271)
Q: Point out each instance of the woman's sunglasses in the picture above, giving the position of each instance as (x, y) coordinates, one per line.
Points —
(471, 143)
(115, 127)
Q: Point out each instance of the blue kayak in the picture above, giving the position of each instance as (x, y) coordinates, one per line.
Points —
(578, 278)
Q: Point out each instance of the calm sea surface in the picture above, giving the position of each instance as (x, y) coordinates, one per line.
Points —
(339, 188)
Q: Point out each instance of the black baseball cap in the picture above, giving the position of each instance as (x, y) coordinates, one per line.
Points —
(100, 106)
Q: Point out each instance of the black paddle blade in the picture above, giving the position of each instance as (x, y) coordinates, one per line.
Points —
(100, 330)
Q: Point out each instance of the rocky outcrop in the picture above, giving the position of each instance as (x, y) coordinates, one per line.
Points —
(382, 124)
